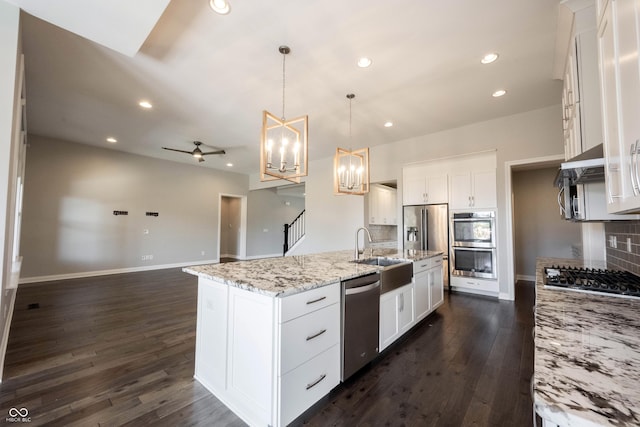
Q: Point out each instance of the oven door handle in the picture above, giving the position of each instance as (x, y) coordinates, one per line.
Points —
(361, 289)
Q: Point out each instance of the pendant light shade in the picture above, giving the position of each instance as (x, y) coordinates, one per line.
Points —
(283, 143)
(351, 167)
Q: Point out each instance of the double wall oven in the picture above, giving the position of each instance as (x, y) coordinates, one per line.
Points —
(473, 244)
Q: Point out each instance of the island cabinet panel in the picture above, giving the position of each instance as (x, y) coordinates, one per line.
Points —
(396, 314)
(211, 334)
(250, 354)
(267, 358)
(422, 294)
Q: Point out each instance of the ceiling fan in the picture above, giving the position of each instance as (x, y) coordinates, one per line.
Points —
(197, 153)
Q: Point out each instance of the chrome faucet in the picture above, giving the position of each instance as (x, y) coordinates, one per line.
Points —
(358, 251)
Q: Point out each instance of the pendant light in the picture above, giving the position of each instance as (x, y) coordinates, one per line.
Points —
(351, 167)
(283, 143)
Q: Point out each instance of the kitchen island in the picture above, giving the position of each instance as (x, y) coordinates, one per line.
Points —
(269, 330)
(587, 356)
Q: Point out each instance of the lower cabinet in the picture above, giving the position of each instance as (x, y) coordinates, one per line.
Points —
(428, 286)
(472, 285)
(396, 314)
(268, 359)
(402, 308)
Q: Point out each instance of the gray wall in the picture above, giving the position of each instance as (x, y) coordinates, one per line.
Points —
(267, 210)
(72, 189)
(538, 228)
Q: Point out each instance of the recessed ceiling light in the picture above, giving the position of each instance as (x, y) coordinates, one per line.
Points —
(498, 93)
(229, 164)
(364, 62)
(112, 140)
(220, 6)
(145, 104)
(489, 58)
(388, 124)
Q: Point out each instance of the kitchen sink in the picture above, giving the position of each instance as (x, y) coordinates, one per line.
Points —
(394, 273)
(380, 261)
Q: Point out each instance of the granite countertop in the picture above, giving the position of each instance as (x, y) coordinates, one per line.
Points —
(284, 276)
(587, 356)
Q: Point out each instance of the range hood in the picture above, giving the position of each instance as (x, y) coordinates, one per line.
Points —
(582, 169)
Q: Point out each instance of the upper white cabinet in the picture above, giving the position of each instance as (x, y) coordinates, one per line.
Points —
(619, 61)
(424, 184)
(382, 205)
(465, 182)
(476, 189)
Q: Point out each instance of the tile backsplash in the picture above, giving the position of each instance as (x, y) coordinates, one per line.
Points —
(619, 257)
(383, 232)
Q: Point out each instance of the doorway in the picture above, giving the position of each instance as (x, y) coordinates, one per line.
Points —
(232, 225)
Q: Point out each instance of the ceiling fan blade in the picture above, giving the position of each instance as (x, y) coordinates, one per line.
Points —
(214, 152)
(179, 151)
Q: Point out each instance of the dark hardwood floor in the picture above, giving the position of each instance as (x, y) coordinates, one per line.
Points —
(118, 350)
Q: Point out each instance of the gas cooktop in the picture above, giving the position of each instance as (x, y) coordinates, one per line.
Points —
(610, 282)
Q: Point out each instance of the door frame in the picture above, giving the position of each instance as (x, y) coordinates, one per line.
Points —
(242, 247)
(535, 163)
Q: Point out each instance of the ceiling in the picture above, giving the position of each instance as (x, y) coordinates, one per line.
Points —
(210, 76)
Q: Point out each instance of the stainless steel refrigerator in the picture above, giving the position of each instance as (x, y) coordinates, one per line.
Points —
(426, 227)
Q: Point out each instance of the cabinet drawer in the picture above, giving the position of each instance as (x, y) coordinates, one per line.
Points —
(308, 383)
(422, 265)
(306, 302)
(305, 337)
(477, 284)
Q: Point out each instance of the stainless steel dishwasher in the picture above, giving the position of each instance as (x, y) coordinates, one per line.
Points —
(360, 322)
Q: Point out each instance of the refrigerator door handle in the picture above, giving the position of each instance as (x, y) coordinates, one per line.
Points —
(423, 219)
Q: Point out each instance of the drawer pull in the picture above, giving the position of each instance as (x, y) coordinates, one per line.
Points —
(309, 338)
(316, 300)
(315, 383)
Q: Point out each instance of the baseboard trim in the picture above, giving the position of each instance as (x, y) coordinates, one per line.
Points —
(526, 277)
(54, 277)
(505, 296)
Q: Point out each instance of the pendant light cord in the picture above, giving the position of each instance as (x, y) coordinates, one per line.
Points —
(284, 57)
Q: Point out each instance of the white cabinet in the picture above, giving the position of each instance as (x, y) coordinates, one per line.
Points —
(268, 359)
(396, 314)
(428, 286)
(472, 285)
(382, 205)
(436, 284)
(473, 189)
(571, 107)
(618, 49)
(423, 185)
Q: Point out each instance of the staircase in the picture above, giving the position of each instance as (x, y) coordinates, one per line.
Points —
(293, 232)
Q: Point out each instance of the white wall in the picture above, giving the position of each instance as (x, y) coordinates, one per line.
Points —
(71, 191)
(267, 213)
(333, 220)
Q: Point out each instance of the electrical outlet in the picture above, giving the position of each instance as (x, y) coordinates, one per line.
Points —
(147, 257)
(613, 242)
(629, 244)
(202, 253)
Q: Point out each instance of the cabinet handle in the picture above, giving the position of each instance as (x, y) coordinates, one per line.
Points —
(473, 200)
(401, 309)
(633, 169)
(316, 300)
(316, 335)
(315, 383)
(612, 196)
